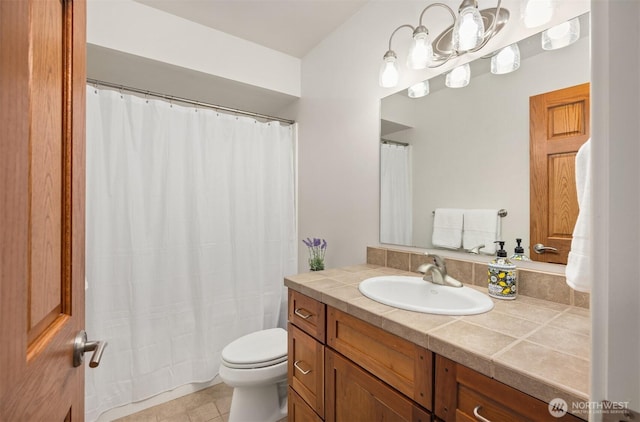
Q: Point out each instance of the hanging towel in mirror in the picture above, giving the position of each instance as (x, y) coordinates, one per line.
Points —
(577, 271)
(447, 228)
(481, 227)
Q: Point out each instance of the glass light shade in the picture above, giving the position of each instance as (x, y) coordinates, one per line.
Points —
(561, 35)
(507, 60)
(389, 74)
(419, 90)
(537, 12)
(420, 51)
(458, 77)
(468, 29)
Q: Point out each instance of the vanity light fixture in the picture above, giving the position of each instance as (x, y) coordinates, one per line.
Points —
(389, 71)
(471, 30)
(458, 77)
(418, 90)
(561, 35)
(506, 60)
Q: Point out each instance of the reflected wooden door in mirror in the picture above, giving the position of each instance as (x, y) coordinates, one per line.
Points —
(559, 126)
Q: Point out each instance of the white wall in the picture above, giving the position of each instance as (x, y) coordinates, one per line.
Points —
(471, 145)
(339, 121)
(615, 374)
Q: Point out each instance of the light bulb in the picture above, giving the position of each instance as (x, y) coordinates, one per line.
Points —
(537, 12)
(458, 77)
(389, 74)
(507, 60)
(418, 90)
(468, 30)
(561, 35)
(421, 50)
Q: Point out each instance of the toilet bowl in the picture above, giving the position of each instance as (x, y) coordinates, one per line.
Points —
(255, 366)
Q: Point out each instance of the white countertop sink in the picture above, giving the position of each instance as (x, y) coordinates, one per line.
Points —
(416, 294)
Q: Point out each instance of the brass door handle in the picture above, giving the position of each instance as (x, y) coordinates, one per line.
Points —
(81, 345)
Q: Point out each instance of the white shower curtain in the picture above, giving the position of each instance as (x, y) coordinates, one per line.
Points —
(190, 231)
(396, 213)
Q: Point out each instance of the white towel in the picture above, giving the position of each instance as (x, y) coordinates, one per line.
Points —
(447, 228)
(481, 227)
(578, 272)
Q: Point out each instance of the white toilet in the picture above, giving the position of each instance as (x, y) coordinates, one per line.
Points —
(255, 366)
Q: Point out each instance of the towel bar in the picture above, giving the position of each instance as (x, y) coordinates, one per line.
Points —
(501, 213)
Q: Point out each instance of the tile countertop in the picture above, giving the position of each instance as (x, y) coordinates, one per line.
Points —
(538, 347)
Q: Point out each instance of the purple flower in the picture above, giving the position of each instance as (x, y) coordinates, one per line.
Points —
(317, 249)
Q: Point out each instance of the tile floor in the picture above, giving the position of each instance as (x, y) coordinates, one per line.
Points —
(209, 405)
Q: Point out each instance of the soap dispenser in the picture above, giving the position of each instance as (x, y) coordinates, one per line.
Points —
(518, 253)
(502, 276)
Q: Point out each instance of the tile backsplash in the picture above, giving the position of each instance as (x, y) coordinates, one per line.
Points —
(538, 284)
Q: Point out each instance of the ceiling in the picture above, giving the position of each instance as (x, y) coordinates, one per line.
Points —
(301, 24)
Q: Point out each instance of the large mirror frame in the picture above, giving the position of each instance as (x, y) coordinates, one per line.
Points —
(469, 147)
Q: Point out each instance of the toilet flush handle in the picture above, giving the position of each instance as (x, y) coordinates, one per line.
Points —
(81, 345)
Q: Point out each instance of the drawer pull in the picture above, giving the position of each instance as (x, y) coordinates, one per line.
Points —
(300, 369)
(302, 313)
(476, 413)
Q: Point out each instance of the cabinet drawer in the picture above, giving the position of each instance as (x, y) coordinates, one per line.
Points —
(398, 362)
(307, 314)
(355, 395)
(462, 390)
(306, 368)
(299, 411)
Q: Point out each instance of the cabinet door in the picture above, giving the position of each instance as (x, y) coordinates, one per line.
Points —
(353, 395)
(403, 365)
(462, 392)
(299, 411)
(306, 368)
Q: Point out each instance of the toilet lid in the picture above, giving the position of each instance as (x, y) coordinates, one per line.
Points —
(256, 350)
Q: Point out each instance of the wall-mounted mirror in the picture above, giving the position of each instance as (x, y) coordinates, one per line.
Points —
(469, 147)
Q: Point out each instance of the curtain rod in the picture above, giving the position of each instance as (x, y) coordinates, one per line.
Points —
(387, 141)
(187, 101)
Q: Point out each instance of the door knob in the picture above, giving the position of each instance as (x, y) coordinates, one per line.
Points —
(540, 248)
(81, 345)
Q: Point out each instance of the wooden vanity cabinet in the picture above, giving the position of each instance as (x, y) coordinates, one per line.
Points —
(305, 371)
(360, 373)
(462, 391)
(342, 368)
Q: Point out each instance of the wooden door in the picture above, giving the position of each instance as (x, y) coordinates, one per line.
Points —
(354, 395)
(42, 115)
(559, 125)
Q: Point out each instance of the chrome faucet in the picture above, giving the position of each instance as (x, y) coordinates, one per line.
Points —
(438, 272)
(476, 249)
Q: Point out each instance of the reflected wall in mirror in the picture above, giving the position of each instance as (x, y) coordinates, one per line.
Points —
(469, 147)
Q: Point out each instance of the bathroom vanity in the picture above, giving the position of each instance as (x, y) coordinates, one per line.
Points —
(354, 359)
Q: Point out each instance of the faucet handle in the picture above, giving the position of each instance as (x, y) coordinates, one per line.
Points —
(438, 261)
